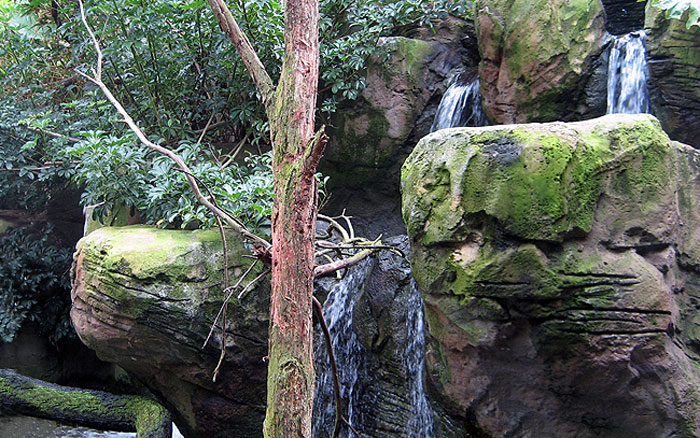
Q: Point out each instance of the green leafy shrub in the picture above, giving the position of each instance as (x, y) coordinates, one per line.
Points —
(35, 283)
(676, 8)
(178, 75)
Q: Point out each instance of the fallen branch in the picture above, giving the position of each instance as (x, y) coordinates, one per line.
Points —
(82, 407)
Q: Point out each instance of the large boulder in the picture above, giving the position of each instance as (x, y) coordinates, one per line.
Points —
(365, 137)
(145, 299)
(536, 56)
(560, 266)
(673, 52)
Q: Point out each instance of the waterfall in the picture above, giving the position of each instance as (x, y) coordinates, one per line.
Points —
(627, 75)
(349, 355)
(402, 411)
(460, 106)
(422, 422)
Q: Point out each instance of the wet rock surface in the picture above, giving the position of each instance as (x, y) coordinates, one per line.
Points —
(537, 58)
(145, 298)
(623, 16)
(558, 263)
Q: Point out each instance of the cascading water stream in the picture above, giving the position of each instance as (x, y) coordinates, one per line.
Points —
(627, 75)
(422, 422)
(460, 106)
(349, 354)
(360, 403)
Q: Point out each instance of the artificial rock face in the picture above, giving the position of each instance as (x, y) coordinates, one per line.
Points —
(535, 56)
(674, 67)
(560, 268)
(145, 298)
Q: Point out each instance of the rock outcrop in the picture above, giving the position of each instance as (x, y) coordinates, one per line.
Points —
(674, 64)
(370, 138)
(537, 56)
(145, 298)
(623, 16)
(559, 264)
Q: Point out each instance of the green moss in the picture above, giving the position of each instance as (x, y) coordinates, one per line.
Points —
(414, 53)
(4, 225)
(543, 47)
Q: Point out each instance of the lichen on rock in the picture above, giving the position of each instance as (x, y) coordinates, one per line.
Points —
(534, 55)
(558, 266)
(145, 299)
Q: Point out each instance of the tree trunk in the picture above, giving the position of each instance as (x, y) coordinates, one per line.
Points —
(82, 407)
(296, 152)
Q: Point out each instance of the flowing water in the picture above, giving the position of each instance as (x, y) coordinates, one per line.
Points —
(30, 427)
(362, 404)
(627, 75)
(460, 106)
(349, 354)
(422, 420)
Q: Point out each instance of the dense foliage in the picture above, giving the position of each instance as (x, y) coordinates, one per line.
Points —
(676, 9)
(177, 74)
(180, 78)
(34, 281)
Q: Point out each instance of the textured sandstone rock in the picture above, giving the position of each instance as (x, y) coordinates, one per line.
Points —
(535, 56)
(144, 298)
(559, 265)
(370, 137)
(367, 136)
(674, 63)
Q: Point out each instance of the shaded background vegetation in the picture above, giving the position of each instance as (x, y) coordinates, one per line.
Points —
(178, 76)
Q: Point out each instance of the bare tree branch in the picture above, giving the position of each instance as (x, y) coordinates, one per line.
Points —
(51, 134)
(329, 268)
(97, 80)
(255, 67)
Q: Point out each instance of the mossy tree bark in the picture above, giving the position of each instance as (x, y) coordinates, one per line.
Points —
(297, 150)
(82, 407)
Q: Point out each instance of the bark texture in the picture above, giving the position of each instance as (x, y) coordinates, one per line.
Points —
(97, 409)
(296, 152)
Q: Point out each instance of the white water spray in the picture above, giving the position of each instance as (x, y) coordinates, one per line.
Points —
(627, 75)
(460, 106)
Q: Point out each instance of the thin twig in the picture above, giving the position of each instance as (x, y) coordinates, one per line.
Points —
(97, 80)
(255, 280)
(206, 127)
(339, 417)
(50, 133)
(230, 291)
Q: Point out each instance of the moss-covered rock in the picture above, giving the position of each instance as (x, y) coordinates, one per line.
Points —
(559, 265)
(145, 299)
(535, 55)
(130, 413)
(369, 135)
(673, 52)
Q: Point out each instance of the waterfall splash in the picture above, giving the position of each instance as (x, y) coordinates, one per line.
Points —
(374, 409)
(460, 106)
(627, 75)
